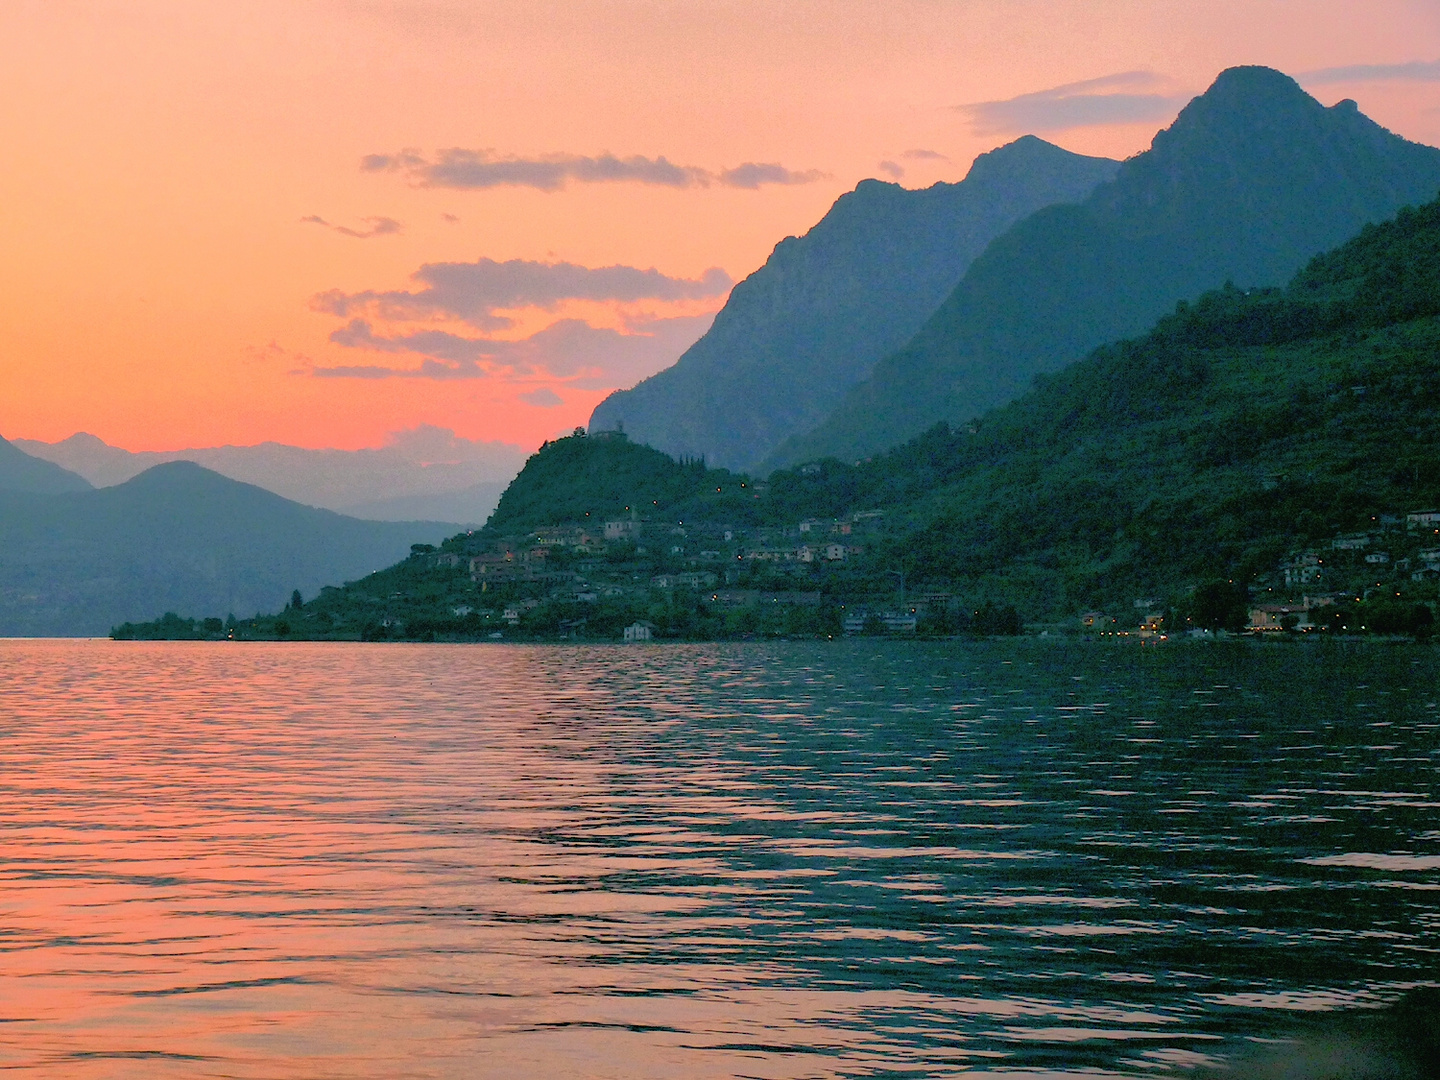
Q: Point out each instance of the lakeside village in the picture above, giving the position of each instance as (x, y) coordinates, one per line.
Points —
(1383, 580)
(633, 579)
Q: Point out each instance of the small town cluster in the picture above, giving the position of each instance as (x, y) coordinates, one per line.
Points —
(1391, 569)
(748, 578)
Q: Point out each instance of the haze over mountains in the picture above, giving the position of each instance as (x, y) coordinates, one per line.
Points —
(426, 474)
(21, 472)
(825, 307)
(176, 538)
(1252, 179)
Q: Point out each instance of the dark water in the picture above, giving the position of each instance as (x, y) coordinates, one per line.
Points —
(845, 859)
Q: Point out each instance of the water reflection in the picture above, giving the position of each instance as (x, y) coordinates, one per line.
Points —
(771, 861)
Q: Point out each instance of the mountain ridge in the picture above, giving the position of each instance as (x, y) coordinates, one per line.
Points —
(1228, 191)
(20, 471)
(826, 305)
(427, 472)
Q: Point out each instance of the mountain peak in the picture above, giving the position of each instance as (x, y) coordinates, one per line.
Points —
(1252, 81)
(1023, 156)
(1241, 103)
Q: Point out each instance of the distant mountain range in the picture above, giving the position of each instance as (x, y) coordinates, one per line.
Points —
(1252, 179)
(811, 323)
(77, 561)
(426, 474)
(21, 472)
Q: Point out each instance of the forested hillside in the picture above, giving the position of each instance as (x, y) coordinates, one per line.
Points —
(1242, 427)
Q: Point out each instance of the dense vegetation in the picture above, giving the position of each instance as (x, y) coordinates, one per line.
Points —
(1241, 427)
(584, 480)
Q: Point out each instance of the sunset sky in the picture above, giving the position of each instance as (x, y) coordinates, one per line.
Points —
(324, 221)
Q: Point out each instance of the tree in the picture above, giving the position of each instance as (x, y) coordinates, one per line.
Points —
(1220, 605)
(296, 600)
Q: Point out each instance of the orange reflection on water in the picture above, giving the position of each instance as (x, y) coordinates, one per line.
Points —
(430, 861)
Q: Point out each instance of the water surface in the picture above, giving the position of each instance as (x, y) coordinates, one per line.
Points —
(841, 859)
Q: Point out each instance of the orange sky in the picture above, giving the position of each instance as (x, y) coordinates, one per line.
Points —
(158, 282)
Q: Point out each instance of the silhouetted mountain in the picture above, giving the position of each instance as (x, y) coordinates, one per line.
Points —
(175, 538)
(812, 322)
(1252, 179)
(427, 472)
(21, 472)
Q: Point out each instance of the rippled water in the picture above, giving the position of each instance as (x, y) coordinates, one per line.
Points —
(845, 859)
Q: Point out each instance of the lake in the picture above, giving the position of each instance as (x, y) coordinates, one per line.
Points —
(1020, 858)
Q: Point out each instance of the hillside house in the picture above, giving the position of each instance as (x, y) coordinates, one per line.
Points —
(899, 622)
(769, 554)
(1425, 519)
(1303, 569)
(639, 631)
(1275, 618)
(622, 529)
(690, 579)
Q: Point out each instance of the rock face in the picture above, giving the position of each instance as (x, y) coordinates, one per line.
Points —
(1252, 179)
(811, 323)
(21, 472)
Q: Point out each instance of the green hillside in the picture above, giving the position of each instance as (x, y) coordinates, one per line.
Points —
(1242, 427)
(1253, 179)
(585, 479)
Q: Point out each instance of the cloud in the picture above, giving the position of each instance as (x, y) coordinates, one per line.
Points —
(470, 170)
(426, 444)
(752, 175)
(475, 291)
(1414, 71)
(379, 226)
(924, 155)
(544, 398)
(889, 168)
(570, 349)
(1111, 99)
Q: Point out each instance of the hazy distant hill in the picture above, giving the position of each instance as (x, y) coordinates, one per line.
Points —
(427, 473)
(175, 538)
(810, 323)
(468, 506)
(1253, 178)
(21, 472)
